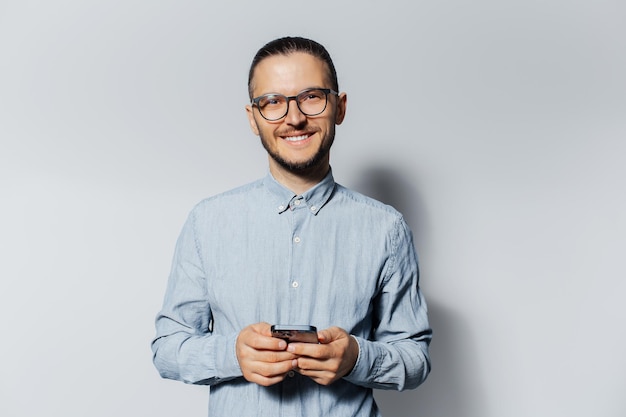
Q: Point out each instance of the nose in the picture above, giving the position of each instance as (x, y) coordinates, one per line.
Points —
(294, 116)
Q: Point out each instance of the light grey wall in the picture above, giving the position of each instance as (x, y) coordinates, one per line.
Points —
(497, 127)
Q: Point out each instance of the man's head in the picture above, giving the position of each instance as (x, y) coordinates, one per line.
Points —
(286, 76)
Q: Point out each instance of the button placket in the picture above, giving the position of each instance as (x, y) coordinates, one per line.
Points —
(296, 240)
(299, 213)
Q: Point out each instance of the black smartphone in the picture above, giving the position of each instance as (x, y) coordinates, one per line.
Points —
(295, 333)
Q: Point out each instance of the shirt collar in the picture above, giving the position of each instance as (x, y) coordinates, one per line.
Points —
(313, 199)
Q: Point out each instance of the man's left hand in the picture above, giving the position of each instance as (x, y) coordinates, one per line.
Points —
(328, 361)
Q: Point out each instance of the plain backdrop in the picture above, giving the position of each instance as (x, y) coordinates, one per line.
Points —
(497, 127)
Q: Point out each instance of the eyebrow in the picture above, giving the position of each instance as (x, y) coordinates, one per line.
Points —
(299, 92)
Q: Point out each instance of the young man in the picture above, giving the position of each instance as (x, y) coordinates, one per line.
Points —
(294, 248)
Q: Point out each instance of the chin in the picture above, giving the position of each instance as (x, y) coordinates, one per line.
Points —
(299, 165)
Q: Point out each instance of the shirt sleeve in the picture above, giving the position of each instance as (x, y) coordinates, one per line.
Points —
(185, 348)
(396, 356)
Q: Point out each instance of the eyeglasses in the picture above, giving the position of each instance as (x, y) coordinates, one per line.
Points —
(311, 102)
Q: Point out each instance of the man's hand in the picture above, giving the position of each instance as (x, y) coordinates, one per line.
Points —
(328, 361)
(263, 359)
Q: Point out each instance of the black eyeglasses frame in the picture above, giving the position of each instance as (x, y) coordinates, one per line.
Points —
(326, 91)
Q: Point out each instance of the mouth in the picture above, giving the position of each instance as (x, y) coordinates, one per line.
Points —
(297, 138)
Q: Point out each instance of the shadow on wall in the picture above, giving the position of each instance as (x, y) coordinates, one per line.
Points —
(453, 388)
(394, 189)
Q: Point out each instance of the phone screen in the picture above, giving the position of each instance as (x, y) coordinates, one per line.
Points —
(295, 333)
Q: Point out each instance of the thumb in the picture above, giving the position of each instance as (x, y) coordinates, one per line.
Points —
(328, 335)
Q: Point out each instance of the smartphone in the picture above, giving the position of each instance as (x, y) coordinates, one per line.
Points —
(295, 333)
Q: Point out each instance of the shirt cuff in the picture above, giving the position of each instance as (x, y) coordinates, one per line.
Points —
(354, 374)
(226, 364)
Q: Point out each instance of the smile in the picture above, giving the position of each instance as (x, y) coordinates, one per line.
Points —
(295, 138)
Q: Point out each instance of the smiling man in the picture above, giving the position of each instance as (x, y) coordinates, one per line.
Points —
(294, 248)
(293, 117)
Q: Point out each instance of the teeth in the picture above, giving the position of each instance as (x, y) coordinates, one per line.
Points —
(295, 138)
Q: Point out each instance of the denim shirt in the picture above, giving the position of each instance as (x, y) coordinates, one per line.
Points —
(328, 257)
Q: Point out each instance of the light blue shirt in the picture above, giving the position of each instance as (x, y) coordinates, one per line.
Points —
(328, 257)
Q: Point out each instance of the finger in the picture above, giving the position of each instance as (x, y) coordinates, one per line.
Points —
(264, 373)
(320, 377)
(263, 328)
(272, 356)
(266, 380)
(331, 334)
(309, 364)
(324, 336)
(272, 370)
(250, 357)
(261, 342)
(312, 350)
(270, 343)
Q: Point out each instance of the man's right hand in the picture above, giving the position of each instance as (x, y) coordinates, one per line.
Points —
(263, 359)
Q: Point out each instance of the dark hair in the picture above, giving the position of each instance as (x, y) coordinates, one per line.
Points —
(289, 45)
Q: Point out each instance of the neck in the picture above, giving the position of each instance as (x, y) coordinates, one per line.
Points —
(299, 182)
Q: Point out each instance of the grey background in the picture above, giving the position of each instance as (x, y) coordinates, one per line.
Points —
(497, 127)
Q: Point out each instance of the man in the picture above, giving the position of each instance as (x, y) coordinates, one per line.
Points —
(294, 248)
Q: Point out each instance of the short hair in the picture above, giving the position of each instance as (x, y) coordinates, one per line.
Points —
(289, 45)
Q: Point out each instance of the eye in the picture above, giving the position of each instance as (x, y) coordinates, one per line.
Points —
(271, 100)
(311, 95)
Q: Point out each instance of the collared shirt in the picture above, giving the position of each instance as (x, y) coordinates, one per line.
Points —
(328, 257)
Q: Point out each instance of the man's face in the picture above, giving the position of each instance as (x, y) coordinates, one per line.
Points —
(296, 143)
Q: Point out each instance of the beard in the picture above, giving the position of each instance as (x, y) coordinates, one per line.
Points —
(301, 167)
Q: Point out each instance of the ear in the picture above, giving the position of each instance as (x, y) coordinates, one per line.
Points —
(251, 120)
(342, 102)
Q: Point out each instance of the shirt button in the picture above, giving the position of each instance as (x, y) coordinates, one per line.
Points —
(281, 207)
(313, 208)
(297, 202)
(295, 284)
(296, 239)
(291, 374)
